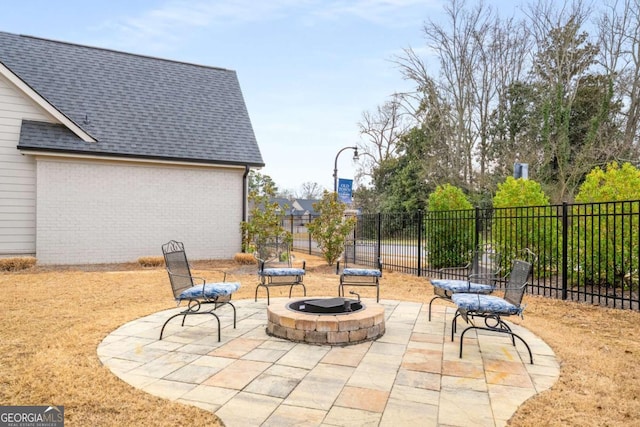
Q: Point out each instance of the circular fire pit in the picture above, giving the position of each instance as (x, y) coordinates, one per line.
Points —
(330, 321)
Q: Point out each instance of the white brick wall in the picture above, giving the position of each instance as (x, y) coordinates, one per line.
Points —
(102, 212)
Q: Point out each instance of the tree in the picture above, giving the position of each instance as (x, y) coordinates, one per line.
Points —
(265, 217)
(562, 61)
(619, 41)
(309, 190)
(331, 228)
(382, 130)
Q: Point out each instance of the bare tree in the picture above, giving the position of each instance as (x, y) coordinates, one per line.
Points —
(619, 41)
(478, 56)
(381, 130)
(310, 190)
(563, 58)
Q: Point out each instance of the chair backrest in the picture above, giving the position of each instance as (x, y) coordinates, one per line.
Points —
(175, 260)
(484, 266)
(360, 252)
(273, 252)
(517, 283)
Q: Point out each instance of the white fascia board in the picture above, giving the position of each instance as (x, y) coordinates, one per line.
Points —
(111, 159)
(35, 97)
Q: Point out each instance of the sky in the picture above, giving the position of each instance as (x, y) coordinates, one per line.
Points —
(308, 69)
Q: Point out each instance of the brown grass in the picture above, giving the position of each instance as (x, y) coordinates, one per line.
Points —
(17, 263)
(54, 318)
(151, 261)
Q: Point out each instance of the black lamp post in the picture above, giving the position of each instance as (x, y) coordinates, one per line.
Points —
(335, 165)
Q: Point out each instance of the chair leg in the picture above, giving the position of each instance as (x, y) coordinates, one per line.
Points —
(431, 302)
(255, 298)
(234, 313)
(304, 288)
(186, 313)
(503, 331)
(165, 323)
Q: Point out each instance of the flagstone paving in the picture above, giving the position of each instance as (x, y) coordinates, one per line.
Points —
(412, 375)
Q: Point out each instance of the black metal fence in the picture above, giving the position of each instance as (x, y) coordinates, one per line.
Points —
(585, 252)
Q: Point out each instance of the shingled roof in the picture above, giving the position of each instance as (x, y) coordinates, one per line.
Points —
(133, 105)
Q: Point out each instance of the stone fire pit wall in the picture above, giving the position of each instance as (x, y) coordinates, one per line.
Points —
(329, 329)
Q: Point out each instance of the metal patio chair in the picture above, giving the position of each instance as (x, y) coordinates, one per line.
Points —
(276, 266)
(352, 270)
(195, 290)
(481, 276)
(491, 309)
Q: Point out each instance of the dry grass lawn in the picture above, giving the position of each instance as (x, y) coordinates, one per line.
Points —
(54, 318)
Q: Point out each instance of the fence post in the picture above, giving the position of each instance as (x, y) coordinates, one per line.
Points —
(419, 248)
(378, 252)
(309, 234)
(565, 251)
(291, 224)
(476, 236)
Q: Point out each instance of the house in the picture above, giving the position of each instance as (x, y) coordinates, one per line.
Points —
(304, 207)
(106, 155)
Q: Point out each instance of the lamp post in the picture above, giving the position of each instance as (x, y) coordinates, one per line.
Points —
(335, 165)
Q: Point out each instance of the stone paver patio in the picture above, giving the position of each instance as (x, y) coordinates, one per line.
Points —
(412, 375)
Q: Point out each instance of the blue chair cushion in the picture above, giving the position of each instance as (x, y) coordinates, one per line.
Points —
(211, 290)
(485, 304)
(286, 271)
(361, 272)
(460, 286)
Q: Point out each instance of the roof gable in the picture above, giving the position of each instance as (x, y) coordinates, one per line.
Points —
(134, 105)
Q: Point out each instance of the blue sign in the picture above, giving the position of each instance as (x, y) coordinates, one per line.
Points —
(344, 190)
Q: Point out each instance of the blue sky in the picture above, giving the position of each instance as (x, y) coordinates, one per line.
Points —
(308, 68)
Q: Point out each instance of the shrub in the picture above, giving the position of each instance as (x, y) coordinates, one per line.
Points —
(449, 243)
(244, 258)
(522, 218)
(600, 226)
(151, 261)
(16, 263)
(331, 228)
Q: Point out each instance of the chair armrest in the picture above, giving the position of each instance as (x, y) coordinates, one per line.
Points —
(338, 267)
(445, 269)
(193, 278)
(224, 274)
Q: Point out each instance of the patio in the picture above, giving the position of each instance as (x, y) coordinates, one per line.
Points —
(411, 375)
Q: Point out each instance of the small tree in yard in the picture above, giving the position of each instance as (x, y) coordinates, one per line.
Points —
(265, 217)
(331, 228)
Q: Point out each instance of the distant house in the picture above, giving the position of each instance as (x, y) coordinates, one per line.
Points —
(304, 207)
(106, 155)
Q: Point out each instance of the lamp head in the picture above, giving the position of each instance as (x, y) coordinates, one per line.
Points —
(355, 154)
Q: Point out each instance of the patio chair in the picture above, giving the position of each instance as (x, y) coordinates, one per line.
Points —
(491, 309)
(481, 276)
(275, 267)
(352, 268)
(195, 290)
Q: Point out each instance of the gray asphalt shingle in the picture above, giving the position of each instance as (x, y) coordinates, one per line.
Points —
(133, 105)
